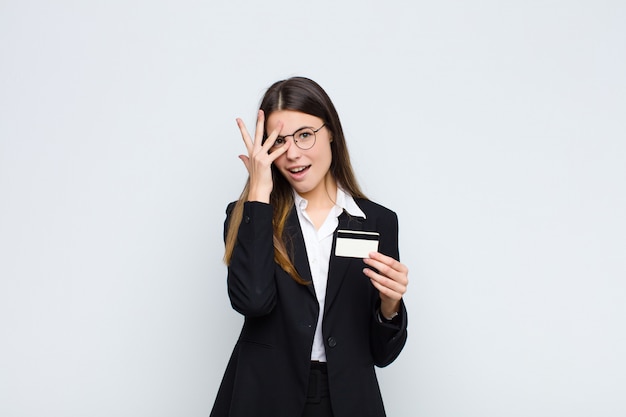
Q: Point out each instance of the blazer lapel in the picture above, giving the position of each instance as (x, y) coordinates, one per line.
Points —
(295, 245)
(339, 265)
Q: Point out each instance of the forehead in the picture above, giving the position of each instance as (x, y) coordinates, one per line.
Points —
(291, 120)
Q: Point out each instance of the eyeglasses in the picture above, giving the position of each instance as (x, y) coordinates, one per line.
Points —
(304, 138)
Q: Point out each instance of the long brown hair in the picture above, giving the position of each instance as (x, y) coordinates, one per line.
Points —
(305, 96)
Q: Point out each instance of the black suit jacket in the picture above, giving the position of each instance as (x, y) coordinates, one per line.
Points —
(268, 372)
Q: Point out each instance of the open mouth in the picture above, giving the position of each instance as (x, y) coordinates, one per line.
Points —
(298, 169)
(299, 172)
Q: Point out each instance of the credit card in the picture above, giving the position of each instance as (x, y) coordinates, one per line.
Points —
(356, 244)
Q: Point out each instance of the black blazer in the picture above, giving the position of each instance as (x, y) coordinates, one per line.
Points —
(268, 372)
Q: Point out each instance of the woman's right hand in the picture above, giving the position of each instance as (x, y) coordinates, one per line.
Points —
(259, 160)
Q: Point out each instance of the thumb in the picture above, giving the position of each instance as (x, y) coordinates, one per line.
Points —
(246, 161)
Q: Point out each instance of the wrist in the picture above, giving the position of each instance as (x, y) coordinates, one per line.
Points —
(387, 320)
(263, 197)
(390, 317)
(389, 310)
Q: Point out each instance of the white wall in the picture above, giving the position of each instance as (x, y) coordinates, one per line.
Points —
(496, 130)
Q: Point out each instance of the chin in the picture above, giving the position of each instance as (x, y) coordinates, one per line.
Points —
(301, 190)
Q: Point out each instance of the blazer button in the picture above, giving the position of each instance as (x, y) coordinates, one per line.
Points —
(246, 219)
(332, 342)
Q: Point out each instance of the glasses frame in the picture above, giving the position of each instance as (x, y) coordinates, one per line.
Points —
(296, 140)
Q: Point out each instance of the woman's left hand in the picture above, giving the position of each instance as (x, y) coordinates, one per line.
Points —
(390, 281)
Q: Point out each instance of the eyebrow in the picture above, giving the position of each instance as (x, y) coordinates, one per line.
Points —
(294, 132)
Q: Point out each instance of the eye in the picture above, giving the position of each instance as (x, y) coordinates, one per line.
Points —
(280, 141)
(305, 134)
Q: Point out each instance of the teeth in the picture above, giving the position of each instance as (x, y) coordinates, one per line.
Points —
(296, 170)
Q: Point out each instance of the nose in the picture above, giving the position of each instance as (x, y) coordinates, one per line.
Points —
(293, 152)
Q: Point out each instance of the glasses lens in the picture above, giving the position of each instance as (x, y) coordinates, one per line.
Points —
(280, 141)
(305, 138)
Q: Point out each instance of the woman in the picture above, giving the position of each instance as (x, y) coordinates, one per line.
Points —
(316, 319)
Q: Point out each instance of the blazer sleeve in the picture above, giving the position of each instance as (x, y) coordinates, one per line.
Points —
(388, 339)
(251, 284)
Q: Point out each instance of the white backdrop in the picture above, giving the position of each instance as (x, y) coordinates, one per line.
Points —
(495, 129)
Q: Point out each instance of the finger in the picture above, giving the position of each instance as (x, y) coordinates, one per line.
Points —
(246, 161)
(245, 135)
(384, 281)
(272, 137)
(389, 261)
(276, 153)
(389, 271)
(260, 128)
(386, 291)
